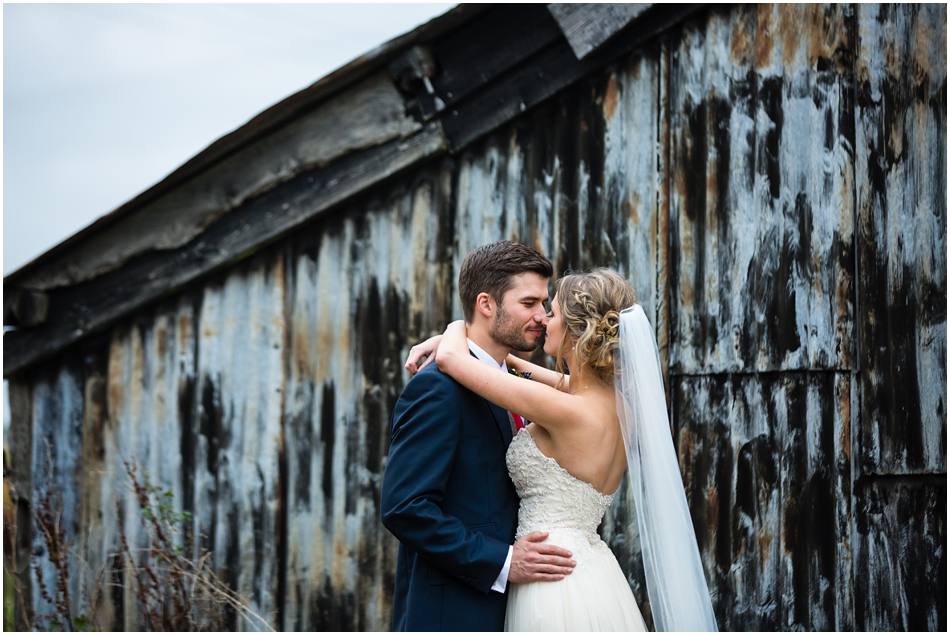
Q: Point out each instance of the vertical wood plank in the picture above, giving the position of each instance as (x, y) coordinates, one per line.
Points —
(900, 555)
(240, 386)
(762, 190)
(57, 415)
(900, 157)
(767, 479)
(21, 483)
(139, 410)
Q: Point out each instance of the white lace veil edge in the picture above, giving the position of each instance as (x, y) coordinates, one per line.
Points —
(676, 584)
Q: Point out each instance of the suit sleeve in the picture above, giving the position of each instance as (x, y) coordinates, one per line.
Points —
(426, 432)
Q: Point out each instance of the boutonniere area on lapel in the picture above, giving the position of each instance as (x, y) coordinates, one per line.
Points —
(520, 421)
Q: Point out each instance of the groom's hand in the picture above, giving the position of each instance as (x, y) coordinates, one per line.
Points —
(532, 561)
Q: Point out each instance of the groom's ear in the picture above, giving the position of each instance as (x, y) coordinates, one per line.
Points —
(485, 305)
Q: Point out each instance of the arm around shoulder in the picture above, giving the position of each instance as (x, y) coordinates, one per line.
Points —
(542, 404)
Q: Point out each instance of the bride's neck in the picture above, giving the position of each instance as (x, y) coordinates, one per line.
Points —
(583, 379)
(585, 382)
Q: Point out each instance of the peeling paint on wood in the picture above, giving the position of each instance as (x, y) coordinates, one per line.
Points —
(761, 206)
(901, 554)
(57, 409)
(240, 379)
(902, 236)
(768, 481)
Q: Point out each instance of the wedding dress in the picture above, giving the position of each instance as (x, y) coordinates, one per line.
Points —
(596, 595)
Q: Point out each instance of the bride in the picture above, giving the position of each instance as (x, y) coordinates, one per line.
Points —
(586, 429)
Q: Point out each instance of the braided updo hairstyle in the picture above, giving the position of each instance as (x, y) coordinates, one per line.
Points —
(590, 305)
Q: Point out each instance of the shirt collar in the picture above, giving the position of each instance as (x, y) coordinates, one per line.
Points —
(480, 353)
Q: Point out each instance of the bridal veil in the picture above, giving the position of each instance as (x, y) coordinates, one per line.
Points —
(679, 596)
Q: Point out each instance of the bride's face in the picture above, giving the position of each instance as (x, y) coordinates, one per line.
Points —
(555, 329)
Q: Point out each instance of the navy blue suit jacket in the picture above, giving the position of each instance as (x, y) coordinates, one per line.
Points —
(448, 499)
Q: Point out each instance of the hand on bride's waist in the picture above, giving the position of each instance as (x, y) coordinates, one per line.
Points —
(533, 560)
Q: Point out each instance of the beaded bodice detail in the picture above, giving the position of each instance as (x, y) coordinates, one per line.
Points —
(551, 497)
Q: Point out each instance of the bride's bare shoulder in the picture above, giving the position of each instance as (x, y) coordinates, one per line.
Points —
(600, 407)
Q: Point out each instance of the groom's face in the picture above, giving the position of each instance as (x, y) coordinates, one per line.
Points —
(521, 316)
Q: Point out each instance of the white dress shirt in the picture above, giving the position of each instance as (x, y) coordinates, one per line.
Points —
(501, 582)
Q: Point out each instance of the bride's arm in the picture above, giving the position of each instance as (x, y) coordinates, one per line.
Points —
(423, 353)
(540, 373)
(542, 404)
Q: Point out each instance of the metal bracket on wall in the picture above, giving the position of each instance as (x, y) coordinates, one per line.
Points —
(412, 73)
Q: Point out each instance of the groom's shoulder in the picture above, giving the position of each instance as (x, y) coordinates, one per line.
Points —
(431, 378)
(432, 375)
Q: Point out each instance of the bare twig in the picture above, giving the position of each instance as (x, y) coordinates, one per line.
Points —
(173, 589)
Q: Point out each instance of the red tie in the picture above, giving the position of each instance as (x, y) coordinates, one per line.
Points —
(519, 422)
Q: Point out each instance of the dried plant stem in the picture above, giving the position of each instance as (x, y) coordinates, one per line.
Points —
(171, 590)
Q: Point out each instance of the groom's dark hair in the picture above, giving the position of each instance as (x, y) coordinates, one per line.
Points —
(490, 268)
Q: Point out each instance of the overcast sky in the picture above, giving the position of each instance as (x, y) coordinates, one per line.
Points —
(100, 102)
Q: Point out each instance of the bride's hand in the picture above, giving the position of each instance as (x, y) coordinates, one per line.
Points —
(454, 344)
(422, 352)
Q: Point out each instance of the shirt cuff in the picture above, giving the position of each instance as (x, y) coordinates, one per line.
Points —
(501, 582)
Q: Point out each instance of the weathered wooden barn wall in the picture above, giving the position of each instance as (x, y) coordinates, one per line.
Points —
(762, 302)
(901, 441)
(771, 178)
(808, 295)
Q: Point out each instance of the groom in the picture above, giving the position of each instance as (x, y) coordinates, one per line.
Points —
(446, 492)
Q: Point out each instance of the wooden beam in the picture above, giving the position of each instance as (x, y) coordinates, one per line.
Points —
(24, 307)
(588, 26)
(503, 38)
(547, 73)
(84, 309)
(226, 221)
(293, 107)
(369, 114)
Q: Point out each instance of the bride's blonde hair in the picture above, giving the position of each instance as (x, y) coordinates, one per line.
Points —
(590, 305)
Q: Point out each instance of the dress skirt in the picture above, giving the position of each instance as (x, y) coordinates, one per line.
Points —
(594, 597)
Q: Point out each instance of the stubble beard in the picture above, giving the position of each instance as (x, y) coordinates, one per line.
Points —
(509, 334)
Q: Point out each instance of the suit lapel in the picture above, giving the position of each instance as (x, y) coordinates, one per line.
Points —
(499, 414)
(501, 418)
